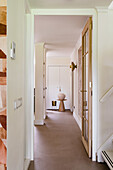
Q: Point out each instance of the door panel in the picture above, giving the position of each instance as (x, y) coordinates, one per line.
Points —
(86, 86)
(79, 81)
(44, 83)
(53, 86)
(58, 78)
(65, 84)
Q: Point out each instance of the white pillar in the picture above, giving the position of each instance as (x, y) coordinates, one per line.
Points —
(39, 73)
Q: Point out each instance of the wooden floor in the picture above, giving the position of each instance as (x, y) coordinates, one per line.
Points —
(58, 145)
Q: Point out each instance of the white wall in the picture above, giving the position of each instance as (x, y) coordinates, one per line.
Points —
(105, 74)
(15, 88)
(29, 99)
(74, 58)
(57, 61)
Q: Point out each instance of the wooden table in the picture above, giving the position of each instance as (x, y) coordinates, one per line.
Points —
(61, 105)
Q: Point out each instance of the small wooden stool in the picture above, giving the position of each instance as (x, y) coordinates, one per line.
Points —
(61, 106)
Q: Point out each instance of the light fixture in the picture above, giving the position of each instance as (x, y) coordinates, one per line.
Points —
(73, 66)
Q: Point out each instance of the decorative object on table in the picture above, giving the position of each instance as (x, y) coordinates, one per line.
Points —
(61, 98)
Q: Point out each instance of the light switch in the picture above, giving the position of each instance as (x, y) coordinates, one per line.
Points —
(13, 50)
(17, 103)
(90, 84)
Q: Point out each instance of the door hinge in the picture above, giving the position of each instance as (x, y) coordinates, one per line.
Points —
(91, 26)
(91, 93)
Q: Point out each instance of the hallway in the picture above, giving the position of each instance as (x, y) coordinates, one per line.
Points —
(58, 145)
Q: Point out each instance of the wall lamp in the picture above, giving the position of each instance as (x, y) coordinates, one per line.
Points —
(73, 66)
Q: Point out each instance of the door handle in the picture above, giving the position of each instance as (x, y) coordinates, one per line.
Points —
(45, 88)
(82, 91)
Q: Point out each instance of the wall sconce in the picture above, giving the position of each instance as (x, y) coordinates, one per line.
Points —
(73, 66)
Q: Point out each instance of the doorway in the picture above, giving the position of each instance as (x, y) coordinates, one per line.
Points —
(53, 48)
(93, 41)
(58, 76)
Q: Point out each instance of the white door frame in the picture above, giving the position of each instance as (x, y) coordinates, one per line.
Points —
(89, 12)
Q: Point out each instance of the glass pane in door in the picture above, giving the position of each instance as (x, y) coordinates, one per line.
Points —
(86, 90)
(85, 96)
(87, 41)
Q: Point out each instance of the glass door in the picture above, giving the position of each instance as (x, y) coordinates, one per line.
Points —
(87, 86)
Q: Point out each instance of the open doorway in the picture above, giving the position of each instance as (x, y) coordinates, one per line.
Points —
(78, 43)
(56, 40)
(55, 45)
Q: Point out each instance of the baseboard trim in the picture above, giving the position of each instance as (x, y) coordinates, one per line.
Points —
(78, 120)
(38, 122)
(45, 117)
(26, 164)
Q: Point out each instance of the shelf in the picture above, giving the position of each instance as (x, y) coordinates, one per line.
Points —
(3, 80)
(2, 55)
(3, 74)
(3, 20)
(3, 29)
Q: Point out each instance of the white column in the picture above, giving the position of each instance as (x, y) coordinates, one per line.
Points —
(39, 74)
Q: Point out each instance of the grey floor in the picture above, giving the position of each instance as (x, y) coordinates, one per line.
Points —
(58, 145)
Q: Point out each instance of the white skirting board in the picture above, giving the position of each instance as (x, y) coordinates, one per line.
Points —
(78, 120)
(38, 122)
(26, 164)
(45, 116)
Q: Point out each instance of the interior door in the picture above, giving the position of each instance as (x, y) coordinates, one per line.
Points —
(53, 87)
(87, 86)
(65, 84)
(79, 67)
(44, 83)
(58, 78)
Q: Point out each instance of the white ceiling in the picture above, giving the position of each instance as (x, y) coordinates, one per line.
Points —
(60, 33)
(48, 4)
